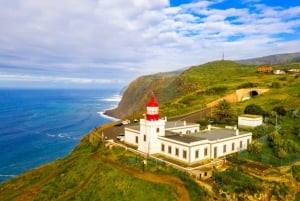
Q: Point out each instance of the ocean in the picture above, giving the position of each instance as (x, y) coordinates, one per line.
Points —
(38, 126)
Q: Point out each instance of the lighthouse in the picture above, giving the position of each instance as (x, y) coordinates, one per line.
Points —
(151, 127)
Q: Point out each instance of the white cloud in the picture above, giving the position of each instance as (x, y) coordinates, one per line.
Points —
(136, 36)
(35, 78)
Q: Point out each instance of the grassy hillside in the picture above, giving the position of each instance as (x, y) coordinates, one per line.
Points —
(95, 172)
(194, 88)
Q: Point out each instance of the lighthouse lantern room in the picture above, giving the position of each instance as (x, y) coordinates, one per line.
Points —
(152, 110)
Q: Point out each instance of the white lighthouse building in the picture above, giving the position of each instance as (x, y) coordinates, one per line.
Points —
(182, 141)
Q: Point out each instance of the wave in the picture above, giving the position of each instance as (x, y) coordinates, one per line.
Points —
(107, 117)
(63, 135)
(114, 98)
(7, 175)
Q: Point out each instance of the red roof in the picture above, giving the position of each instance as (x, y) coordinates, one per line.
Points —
(152, 102)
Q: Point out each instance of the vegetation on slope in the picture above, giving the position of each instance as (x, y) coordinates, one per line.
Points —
(273, 59)
(138, 92)
(94, 171)
(192, 89)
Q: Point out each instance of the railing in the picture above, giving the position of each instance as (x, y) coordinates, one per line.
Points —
(187, 169)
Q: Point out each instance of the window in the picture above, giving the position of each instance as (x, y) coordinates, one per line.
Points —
(197, 154)
(188, 132)
(241, 144)
(157, 130)
(136, 139)
(184, 154)
(232, 146)
(177, 152)
(196, 130)
(224, 148)
(205, 152)
(162, 147)
(169, 149)
(145, 138)
(248, 142)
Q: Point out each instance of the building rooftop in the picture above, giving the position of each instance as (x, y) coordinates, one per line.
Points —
(171, 124)
(174, 124)
(251, 116)
(216, 134)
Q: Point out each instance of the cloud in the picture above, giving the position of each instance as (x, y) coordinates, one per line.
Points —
(123, 39)
(35, 78)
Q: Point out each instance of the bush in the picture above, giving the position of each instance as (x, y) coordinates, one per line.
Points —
(247, 85)
(254, 147)
(262, 130)
(279, 110)
(216, 90)
(281, 153)
(254, 109)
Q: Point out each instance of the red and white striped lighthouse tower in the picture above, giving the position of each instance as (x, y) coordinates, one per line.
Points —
(152, 113)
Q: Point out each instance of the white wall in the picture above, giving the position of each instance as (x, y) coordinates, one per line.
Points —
(200, 149)
(130, 136)
(185, 129)
(149, 133)
(249, 121)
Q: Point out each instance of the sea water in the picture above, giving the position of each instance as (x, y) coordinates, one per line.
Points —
(39, 126)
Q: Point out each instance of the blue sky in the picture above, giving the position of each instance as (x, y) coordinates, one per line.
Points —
(105, 43)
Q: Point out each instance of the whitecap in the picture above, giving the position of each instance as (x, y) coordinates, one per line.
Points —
(7, 175)
(107, 117)
(64, 135)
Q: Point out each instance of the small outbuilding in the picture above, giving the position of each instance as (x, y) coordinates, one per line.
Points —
(250, 120)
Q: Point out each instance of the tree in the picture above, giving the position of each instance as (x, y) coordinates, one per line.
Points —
(223, 111)
(254, 147)
(254, 109)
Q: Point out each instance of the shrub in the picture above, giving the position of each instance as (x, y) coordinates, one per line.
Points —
(279, 110)
(247, 85)
(262, 130)
(254, 147)
(281, 153)
(254, 109)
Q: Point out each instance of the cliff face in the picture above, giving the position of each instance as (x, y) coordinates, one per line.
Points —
(136, 95)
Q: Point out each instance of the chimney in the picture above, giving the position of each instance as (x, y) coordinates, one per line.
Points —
(209, 127)
(184, 123)
(237, 132)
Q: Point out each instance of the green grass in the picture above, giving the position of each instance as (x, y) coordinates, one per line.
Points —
(90, 173)
(296, 172)
(233, 181)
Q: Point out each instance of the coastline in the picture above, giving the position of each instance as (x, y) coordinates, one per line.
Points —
(107, 116)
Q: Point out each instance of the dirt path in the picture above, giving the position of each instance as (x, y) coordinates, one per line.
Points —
(179, 186)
